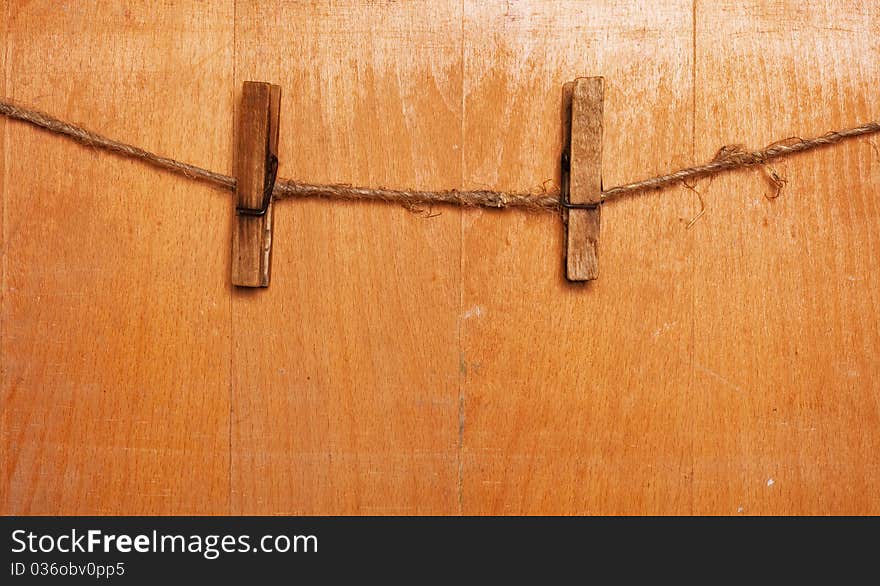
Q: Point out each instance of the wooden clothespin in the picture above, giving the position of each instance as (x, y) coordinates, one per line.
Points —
(256, 165)
(581, 194)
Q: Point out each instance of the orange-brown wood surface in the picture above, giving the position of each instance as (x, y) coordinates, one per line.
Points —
(439, 362)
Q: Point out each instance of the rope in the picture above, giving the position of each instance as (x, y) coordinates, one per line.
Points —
(728, 158)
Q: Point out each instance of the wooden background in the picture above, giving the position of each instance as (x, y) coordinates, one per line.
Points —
(403, 364)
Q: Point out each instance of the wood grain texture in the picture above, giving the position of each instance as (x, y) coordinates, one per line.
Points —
(345, 369)
(787, 292)
(5, 448)
(439, 362)
(116, 338)
(576, 396)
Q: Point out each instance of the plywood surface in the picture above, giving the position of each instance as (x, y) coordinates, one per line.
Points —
(438, 362)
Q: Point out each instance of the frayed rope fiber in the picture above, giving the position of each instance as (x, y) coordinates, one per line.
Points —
(728, 158)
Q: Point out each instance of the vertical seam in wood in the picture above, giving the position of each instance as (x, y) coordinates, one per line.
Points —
(229, 287)
(4, 450)
(461, 148)
(691, 264)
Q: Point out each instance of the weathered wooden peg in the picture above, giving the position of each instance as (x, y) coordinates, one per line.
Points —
(256, 165)
(581, 197)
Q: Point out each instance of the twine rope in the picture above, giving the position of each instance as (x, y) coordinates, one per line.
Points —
(728, 158)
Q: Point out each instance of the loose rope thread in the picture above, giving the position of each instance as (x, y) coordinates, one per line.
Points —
(728, 158)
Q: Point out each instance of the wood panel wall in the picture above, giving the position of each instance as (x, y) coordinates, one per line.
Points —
(437, 362)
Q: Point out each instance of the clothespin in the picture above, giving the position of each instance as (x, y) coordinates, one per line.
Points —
(581, 193)
(256, 165)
